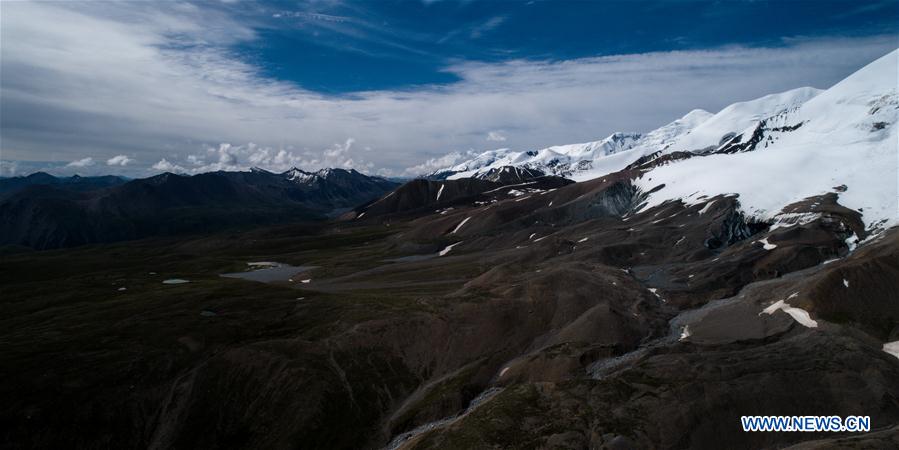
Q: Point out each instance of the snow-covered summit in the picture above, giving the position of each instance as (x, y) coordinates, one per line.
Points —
(300, 176)
(813, 143)
(738, 117)
(562, 160)
(771, 151)
(579, 161)
(697, 130)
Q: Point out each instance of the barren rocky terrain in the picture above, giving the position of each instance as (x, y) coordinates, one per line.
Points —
(570, 320)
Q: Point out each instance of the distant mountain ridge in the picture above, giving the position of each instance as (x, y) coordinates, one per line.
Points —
(75, 182)
(47, 212)
(697, 130)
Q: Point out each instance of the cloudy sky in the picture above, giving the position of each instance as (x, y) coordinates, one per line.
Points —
(391, 88)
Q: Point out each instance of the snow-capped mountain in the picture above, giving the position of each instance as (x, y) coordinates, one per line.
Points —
(561, 160)
(716, 129)
(697, 130)
(301, 176)
(772, 151)
(842, 140)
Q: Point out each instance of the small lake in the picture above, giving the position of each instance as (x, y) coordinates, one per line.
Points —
(269, 272)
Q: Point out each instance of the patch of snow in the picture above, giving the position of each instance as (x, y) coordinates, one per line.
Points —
(655, 292)
(707, 207)
(766, 245)
(679, 240)
(175, 281)
(685, 333)
(460, 225)
(123, 289)
(503, 372)
(532, 236)
(448, 248)
(799, 315)
(892, 348)
(845, 282)
(852, 242)
(439, 191)
(360, 215)
(789, 219)
(584, 239)
(306, 281)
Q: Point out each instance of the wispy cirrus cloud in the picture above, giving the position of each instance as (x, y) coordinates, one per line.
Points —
(158, 82)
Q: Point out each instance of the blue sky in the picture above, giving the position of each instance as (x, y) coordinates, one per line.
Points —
(337, 47)
(391, 87)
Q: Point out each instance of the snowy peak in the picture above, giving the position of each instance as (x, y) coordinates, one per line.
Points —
(841, 141)
(560, 160)
(737, 118)
(329, 175)
(771, 152)
(579, 161)
(696, 131)
(509, 174)
(299, 176)
(590, 150)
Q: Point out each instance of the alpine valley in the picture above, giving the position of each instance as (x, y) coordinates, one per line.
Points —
(641, 291)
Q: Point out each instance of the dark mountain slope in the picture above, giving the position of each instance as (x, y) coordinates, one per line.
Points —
(74, 183)
(422, 196)
(45, 216)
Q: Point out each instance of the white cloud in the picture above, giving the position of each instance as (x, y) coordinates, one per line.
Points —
(83, 162)
(164, 166)
(439, 162)
(229, 157)
(156, 79)
(119, 160)
(495, 136)
(8, 168)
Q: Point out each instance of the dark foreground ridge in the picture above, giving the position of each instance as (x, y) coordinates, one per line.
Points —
(551, 315)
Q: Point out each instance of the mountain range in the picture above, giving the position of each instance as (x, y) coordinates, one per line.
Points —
(697, 130)
(805, 134)
(41, 211)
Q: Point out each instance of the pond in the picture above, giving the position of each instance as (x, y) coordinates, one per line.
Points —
(267, 272)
